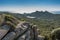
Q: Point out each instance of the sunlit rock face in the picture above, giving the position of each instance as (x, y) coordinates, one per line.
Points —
(4, 31)
(21, 38)
(10, 36)
(24, 31)
(21, 28)
(18, 31)
(27, 35)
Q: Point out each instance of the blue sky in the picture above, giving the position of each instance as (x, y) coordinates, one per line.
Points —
(22, 6)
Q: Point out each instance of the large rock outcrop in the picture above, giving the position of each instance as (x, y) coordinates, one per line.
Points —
(13, 29)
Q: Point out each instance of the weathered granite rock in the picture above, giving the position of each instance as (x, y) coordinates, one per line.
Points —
(21, 38)
(23, 31)
(19, 33)
(4, 31)
(6, 27)
(27, 37)
(10, 36)
(19, 30)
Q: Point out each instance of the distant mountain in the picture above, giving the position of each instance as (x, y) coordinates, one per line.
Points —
(40, 14)
(43, 15)
(56, 12)
(36, 14)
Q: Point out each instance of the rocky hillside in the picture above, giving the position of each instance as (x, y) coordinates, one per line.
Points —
(45, 22)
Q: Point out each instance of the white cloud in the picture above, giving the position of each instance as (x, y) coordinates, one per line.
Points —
(28, 9)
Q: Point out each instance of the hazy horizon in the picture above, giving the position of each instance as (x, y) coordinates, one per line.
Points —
(28, 6)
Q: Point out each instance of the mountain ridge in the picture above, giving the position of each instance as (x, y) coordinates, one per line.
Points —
(36, 14)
